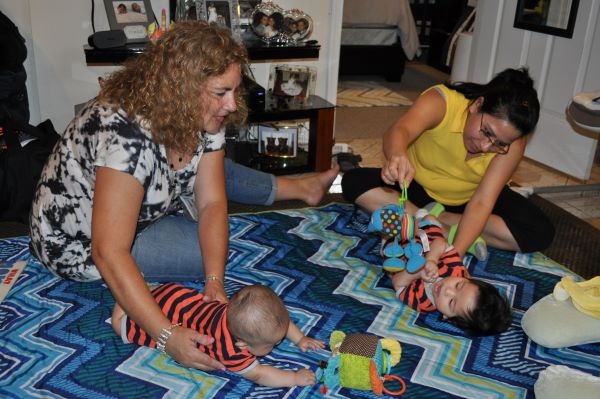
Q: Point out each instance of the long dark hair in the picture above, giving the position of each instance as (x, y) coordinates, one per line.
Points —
(510, 95)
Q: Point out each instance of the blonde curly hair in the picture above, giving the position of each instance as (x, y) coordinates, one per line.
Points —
(165, 86)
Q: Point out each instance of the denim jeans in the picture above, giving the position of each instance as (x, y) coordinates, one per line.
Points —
(249, 186)
(169, 250)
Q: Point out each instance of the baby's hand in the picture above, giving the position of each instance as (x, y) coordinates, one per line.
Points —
(305, 377)
(307, 343)
(430, 271)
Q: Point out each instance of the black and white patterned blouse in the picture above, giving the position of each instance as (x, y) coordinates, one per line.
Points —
(62, 207)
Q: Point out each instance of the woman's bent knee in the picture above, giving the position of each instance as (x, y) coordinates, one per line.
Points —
(356, 182)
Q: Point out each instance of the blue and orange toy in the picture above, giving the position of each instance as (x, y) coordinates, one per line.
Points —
(398, 230)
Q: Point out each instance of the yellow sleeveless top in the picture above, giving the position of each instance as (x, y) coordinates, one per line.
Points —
(438, 155)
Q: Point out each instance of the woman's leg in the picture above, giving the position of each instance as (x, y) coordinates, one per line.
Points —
(515, 224)
(250, 186)
(527, 225)
(364, 187)
(168, 250)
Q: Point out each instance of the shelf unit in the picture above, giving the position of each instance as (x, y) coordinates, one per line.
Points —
(318, 111)
(257, 51)
(320, 114)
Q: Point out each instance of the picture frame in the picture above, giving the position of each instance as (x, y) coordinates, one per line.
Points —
(130, 16)
(221, 12)
(556, 17)
(189, 11)
(266, 22)
(297, 25)
(290, 81)
(278, 141)
(246, 8)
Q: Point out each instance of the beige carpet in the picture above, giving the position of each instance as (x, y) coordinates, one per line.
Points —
(370, 122)
(368, 94)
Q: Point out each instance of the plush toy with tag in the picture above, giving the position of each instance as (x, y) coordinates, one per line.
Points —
(360, 361)
(398, 230)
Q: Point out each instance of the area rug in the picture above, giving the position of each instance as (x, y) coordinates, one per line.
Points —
(56, 340)
(368, 94)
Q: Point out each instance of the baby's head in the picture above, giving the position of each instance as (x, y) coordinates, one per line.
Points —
(257, 318)
(472, 305)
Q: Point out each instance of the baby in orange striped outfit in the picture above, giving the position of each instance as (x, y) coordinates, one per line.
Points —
(444, 284)
(249, 326)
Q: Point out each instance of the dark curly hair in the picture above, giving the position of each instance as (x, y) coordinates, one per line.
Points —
(166, 84)
(510, 95)
(491, 314)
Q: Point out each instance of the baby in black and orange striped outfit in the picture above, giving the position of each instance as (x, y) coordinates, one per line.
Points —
(250, 325)
(444, 284)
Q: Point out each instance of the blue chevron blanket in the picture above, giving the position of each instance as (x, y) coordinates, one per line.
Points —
(56, 340)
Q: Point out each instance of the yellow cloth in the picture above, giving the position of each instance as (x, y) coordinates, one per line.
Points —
(438, 155)
(585, 295)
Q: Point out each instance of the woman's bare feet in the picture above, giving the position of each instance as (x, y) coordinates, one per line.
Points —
(308, 188)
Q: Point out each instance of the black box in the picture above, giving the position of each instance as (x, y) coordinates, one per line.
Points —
(255, 94)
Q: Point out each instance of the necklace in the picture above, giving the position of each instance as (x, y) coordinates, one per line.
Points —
(180, 159)
(172, 155)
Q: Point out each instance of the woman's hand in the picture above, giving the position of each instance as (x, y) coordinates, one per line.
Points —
(182, 346)
(214, 291)
(397, 168)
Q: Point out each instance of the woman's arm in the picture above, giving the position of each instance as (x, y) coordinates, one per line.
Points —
(117, 201)
(427, 112)
(478, 210)
(213, 225)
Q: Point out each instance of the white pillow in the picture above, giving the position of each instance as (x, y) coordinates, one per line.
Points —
(560, 382)
(558, 324)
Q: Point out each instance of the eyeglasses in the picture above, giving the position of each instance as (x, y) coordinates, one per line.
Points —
(497, 145)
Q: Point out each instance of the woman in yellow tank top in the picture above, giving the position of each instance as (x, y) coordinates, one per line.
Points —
(456, 148)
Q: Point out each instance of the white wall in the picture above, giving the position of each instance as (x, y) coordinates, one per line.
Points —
(561, 68)
(58, 77)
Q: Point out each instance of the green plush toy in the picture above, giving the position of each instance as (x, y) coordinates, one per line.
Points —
(360, 361)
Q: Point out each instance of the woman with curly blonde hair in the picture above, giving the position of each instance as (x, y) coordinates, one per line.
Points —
(108, 202)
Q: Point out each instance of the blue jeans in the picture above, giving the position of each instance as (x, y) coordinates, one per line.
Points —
(169, 250)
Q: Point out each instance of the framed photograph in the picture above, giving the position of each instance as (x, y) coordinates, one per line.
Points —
(185, 10)
(246, 8)
(220, 12)
(556, 17)
(297, 82)
(278, 141)
(297, 25)
(133, 17)
(266, 21)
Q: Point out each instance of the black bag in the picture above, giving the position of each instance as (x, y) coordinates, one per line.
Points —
(13, 52)
(21, 166)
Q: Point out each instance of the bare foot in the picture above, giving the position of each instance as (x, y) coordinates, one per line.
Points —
(316, 186)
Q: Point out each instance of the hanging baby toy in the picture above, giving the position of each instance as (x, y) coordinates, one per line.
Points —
(397, 226)
(360, 361)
